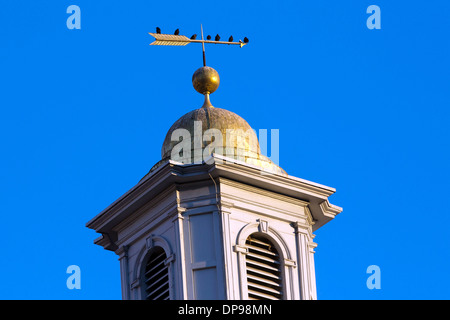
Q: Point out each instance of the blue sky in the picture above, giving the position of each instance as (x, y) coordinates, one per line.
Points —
(84, 114)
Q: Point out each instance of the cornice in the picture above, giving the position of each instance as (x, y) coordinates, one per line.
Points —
(244, 169)
(144, 185)
(330, 209)
(170, 173)
(263, 192)
(274, 210)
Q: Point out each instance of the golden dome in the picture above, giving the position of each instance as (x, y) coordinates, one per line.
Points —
(239, 140)
(201, 127)
(227, 122)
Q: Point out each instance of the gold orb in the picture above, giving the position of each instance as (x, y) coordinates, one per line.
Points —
(206, 80)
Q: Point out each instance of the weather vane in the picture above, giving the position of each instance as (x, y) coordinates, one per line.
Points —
(205, 80)
(179, 40)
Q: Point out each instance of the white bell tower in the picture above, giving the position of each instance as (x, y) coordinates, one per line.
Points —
(220, 228)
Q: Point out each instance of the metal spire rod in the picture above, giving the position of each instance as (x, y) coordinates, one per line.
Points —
(203, 47)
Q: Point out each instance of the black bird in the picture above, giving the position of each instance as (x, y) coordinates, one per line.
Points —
(217, 37)
(194, 36)
(230, 39)
(177, 32)
(245, 40)
(208, 37)
(158, 30)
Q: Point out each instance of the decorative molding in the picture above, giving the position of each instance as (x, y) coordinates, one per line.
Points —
(302, 228)
(299, 204)
(330, 209)
(263, 192)
(225, 211)
(283, 250)
(155, 219)
(271, 210)
(203, 198)
(273, 234)
(263, 225)
(135, 284)
(161, 180)
(149, 242)
(302, 185)
(309, 216)
(226, 204)
(290, 263)
(312, 245)
(106, 242)
(181, 210)
(177, 217)
(240, 249)
(102, 241)
(170, 259)
(130, 199)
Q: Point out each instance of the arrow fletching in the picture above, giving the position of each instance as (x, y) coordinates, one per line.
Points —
(169, 40)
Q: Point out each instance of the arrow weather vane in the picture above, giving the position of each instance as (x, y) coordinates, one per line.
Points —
(179, 40)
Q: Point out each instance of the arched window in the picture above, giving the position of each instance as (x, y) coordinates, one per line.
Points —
(156, 276)
(264, 276)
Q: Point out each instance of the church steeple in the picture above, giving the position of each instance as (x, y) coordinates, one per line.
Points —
(214, 226)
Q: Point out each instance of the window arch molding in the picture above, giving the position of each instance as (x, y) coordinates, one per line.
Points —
(263, 229)
(144, 254)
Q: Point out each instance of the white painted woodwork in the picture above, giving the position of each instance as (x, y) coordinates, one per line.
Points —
(201, 216)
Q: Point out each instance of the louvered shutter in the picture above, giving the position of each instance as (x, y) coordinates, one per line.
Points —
(157, 276)
(264, 276)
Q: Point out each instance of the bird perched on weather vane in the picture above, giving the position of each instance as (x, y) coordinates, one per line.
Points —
(205, 80)
(179, 40)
